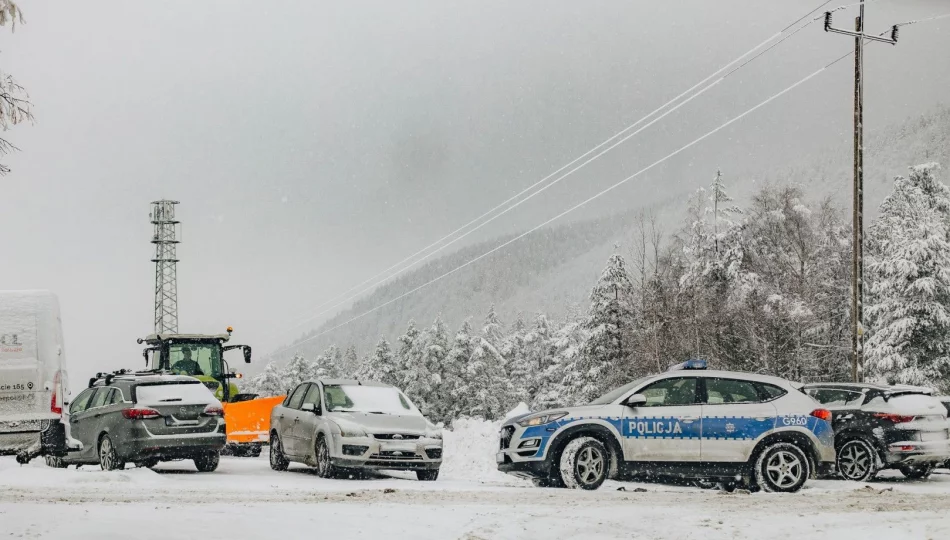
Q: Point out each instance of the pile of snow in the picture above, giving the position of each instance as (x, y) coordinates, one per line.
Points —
(37, 474)
(469, 452)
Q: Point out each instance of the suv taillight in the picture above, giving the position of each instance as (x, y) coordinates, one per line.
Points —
(140, 413)
(55, 406)
(823, 414)
(213, 410)
(896, 418)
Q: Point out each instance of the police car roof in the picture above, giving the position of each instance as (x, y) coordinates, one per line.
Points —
(715, 373)
(871, 386)
(352, 382)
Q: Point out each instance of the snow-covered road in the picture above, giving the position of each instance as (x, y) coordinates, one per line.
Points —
(245, 499)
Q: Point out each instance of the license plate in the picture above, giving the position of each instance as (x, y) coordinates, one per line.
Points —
(500, 457)
(390, 447)
(933, 436)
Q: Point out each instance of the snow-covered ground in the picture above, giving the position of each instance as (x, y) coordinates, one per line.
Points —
(245, 499)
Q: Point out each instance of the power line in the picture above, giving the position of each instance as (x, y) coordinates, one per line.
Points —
(369, 283)
(575, 207)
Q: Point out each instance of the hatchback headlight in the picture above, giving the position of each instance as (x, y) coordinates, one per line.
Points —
(434, 434)
(351, 430)
(541, 419)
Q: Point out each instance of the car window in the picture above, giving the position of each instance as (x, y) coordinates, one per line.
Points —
(836, 397)
(297, 398)
(313, 396)
(82, 401)
(115, 397)
(100, 399)
(195, 359)
(615, 394)
(671, 392)
(770, 391)
(177, 392)
(722, 391)
(368, 399)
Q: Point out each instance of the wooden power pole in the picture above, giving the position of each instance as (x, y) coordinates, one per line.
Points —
(857, 266)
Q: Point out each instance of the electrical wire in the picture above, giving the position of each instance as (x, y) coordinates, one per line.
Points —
(576, 206)
(369, 283)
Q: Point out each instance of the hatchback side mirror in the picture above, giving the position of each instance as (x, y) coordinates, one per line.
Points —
(635, 400)
(310, 407)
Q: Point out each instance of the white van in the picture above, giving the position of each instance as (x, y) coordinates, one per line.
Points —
(33, 381)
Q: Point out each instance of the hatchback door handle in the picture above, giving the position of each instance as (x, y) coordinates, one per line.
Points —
(281, 417)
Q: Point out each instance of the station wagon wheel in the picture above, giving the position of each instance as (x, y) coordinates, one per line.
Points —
(856, 461)
(782, 468)
(278, 461)
(108, 458)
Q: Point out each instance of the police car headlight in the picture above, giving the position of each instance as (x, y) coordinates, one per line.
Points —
(433, 433)
(540, 419)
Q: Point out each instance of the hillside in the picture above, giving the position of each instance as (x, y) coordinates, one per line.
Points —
(553, 269)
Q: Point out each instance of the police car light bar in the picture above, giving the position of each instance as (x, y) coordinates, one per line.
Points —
(695, 363)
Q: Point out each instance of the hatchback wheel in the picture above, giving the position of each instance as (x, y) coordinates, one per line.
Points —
(108, 458)
(857, 460)
(782, 468)
(278, 461)
(584, 463)
(917, 472)
(325, 468)
(207, 462)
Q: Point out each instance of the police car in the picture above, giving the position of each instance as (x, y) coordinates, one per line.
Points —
(736, 428)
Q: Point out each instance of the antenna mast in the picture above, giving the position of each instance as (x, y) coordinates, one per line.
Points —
(166, 277)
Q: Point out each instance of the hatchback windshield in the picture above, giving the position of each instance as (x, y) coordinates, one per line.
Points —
(368, 399)
(614, 394)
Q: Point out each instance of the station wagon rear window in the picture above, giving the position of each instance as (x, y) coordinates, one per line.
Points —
(173, 392)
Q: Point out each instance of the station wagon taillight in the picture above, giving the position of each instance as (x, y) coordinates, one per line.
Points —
(822, 414)
(896, 418)
(140, 413)
(213, 410)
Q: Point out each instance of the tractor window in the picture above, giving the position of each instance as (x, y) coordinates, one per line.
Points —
(195, 359)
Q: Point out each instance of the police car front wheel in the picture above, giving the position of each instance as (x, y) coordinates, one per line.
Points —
(584, 463)
(782, 467)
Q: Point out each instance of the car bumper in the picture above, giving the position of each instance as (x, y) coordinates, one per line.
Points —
(523, 469)
(36, 437)
(916, 452)
(371, 453)
(170, 447)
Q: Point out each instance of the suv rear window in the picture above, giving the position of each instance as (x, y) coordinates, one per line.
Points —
(769, 391)
(173, 392)
(836, 397)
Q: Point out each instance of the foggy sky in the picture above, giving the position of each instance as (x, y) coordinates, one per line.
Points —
(312, 144)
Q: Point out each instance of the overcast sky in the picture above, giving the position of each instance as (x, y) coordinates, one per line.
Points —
(312, 144)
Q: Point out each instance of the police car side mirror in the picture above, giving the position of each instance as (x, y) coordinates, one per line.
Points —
(635, 400)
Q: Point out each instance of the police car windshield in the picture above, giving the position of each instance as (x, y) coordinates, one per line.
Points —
(615, 394)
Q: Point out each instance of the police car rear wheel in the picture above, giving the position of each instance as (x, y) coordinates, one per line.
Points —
(584, 463)
(782, 468)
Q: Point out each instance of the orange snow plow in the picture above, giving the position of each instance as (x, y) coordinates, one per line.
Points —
(248, 422)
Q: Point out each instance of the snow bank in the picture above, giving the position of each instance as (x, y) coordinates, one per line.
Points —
(37, 474)
(469, 450)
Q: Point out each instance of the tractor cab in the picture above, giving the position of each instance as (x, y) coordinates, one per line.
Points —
(200, 356)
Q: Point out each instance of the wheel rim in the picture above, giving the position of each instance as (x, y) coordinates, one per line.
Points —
(105, 454)
(784, 468)
(854, 460)
(590, 465)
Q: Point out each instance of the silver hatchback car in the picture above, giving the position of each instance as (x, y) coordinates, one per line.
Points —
(335, 425)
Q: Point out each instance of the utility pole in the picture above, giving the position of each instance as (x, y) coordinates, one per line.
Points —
(857, 265)
(166, 275)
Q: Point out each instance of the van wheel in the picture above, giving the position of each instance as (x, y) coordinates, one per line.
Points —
(108, 458)
(278, 461)
(584, 463)
(207, 462)
(325, 468)
(782, 468)
(55, 462)
(857, 460)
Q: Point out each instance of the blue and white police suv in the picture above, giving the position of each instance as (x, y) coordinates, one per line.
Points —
(738, 429)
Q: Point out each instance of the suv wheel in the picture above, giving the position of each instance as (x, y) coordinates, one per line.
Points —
(207, 462)
(782, 468)
(55, 462)
(325, 469)
(108, 458)
(917, 472)
(584, 463)
(428, 475)
(857, 460)
(278, 461)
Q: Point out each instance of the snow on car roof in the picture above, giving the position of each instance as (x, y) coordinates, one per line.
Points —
(715, 373)
(871, 386)
(362, 382)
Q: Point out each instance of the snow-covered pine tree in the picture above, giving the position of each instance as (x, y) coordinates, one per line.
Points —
(456, 372)
(559, 382)
(514, 349)
(351, 362)
(410, 352)
(603, 363)
(271, 382)
(299, 370)
(327, 365)
(382, 366)
(485, 389)
(435, 357)
(492, 331)
(416, 378)
(909, 310)
(539, 353)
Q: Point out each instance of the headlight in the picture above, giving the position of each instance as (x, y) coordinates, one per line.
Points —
(541, 419)
(351, 430)
(434, 434)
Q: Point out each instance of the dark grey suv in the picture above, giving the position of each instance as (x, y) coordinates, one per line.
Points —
(145, 419)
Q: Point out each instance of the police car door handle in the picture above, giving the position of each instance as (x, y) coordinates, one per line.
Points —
(688, 419)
